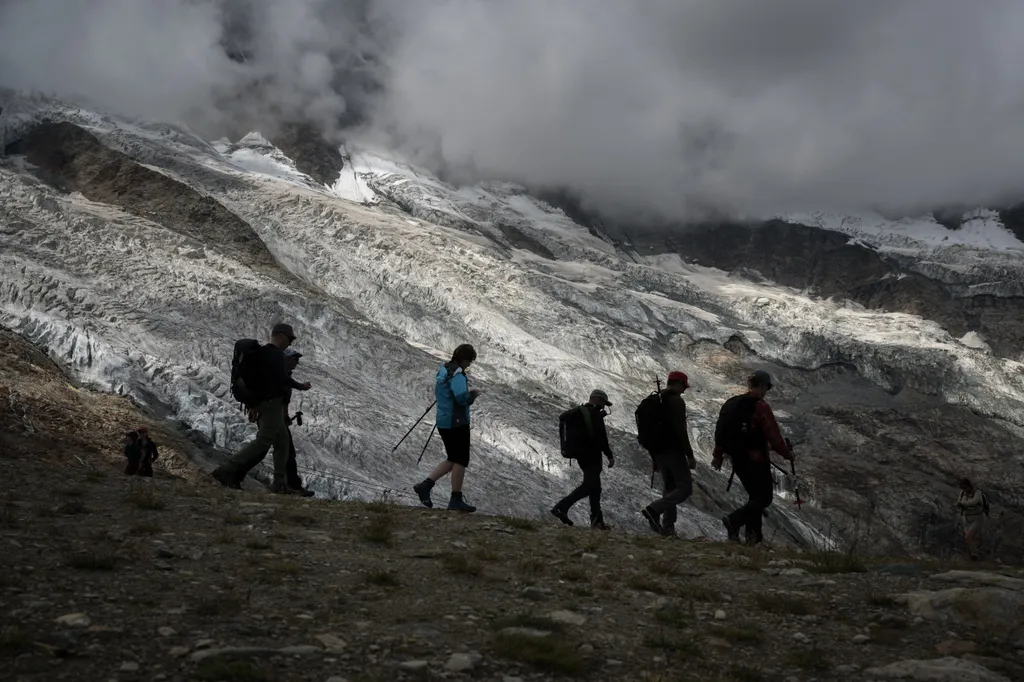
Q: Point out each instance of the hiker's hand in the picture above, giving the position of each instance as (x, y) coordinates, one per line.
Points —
(691, 461)
(253, 415)
(611, 461)
(716, 464)
(475, 393)
(305, 387)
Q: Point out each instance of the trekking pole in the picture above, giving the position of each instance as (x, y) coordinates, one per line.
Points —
(426, 444)
(796, 481)
(729, 484)
(414, 426)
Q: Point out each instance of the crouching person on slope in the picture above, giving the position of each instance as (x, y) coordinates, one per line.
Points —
(454, 397)
(265, 374)
(668, 441)
(584, 438)
(745, 431)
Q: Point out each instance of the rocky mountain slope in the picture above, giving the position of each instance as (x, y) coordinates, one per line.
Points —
(173, 578)
(135, 253)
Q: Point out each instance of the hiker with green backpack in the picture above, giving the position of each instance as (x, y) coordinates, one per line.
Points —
(583, 437)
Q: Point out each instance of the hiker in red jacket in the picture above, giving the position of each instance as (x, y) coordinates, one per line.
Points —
(745, 431)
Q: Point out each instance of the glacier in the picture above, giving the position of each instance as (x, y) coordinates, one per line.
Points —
(385, 271)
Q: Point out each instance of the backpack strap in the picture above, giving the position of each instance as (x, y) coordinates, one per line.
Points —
(587, 420)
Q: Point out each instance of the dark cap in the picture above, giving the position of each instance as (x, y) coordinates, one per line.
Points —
(601, 395)
(282, 328)
(760, 378)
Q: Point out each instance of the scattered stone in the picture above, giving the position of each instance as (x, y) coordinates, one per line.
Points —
(205, 643)
(413, 665)
(981, 578)
(78, 620)
(129, 667)
(991, 609)
(337, 678)
(534, 593)
(847, 669)
(204, 654)
(719, 642)
(458, 544)
(801, 637)
(719, 614)
(459, 663)
(510, 678)
(165, 631)
(567, 617)
(589, 556)
(946, 669)
(613, 662)
(525, 632)
(955, 647)
(178, 651)
(861, 639)
(586, 648)
(817, 582)
(332, 643)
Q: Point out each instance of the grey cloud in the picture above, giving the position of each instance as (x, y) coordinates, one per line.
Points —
(665, 106)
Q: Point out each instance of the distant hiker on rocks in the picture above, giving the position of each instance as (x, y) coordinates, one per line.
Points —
(974, 508)
(132, 452)
(745, 431)
(661, 430)
(584, 438)
(454, 397)
(294, 481)
(262, 384)
(149, 452)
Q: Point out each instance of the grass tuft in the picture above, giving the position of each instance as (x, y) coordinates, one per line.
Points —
(218, 605)
(146, 499)
(784, 604)
(225, 670)
(92, 561)
(546, 654)
(814, 660)
(520, 523)
(378, 530)
(460, 564)
(383, 578)
(684, 646)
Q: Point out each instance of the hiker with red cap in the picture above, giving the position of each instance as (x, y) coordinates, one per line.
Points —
(746, 430)
(149, 452)
(661, 429)
(583, 437)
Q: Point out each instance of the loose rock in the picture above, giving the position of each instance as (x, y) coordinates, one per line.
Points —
(459, 662)
(129, 667)
(78, 620)
(567, 617)
(937, 670)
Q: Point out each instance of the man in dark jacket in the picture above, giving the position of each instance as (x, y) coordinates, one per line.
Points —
(746, 430)
(585, 439)
(149, 452)
(673, 458)
(271, 383)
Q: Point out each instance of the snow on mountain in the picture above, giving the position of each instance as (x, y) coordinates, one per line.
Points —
(386, 271)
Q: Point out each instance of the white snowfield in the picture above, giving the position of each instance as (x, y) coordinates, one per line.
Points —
(380, 296)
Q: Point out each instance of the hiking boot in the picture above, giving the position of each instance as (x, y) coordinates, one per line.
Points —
(733, 531)
(652, 519)
(669, 532)
(225, 479)
(281, 488)
(561, 516)
(754, 539)
(306, 492)
(423, 490)
(457, 503)
(599, 524)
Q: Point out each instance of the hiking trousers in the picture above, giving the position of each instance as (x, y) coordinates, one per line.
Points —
(293, 479)
(590, 487)
(756, 478)
(675, 474)
(272, 433)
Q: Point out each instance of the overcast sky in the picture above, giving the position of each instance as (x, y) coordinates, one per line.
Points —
(668, 105)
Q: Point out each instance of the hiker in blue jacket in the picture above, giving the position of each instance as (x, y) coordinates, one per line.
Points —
(451, 389)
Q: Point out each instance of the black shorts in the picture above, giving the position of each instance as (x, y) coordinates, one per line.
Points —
(456, 444)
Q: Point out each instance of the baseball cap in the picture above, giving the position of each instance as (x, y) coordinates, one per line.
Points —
(598, 393)
(678, 378)
(760, 378)
(292, 353)
(282, 328)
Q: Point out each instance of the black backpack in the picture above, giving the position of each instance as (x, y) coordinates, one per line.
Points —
(244, 372)
(575, 432)
(653, 430)
(735, 434)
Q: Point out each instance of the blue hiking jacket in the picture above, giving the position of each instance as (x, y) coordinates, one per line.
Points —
(451, 389)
